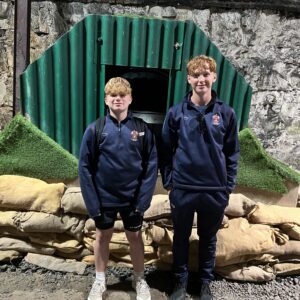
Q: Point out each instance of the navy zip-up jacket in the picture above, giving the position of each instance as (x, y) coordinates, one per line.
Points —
(200, 150)
(123, 171)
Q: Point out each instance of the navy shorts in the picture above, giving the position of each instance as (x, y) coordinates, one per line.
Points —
(132, 220)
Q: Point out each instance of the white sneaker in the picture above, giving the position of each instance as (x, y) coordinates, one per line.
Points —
(97, 290)
(142, 290)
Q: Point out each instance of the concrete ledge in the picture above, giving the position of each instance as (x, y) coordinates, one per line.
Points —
(289, 199)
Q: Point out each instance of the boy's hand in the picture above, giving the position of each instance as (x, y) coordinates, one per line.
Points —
(137, 212)
(97, 218)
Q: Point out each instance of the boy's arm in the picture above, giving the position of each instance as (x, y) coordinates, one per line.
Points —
(86, 170)
(148, 180)
(231, 150)
(169, 142)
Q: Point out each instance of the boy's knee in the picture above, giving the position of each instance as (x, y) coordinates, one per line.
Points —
(103, 236)
(134, 237)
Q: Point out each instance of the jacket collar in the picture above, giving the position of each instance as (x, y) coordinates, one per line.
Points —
(128, 117)
(214, 99)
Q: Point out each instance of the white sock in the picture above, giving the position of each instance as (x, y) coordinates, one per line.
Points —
(138, 276)
(100, 276)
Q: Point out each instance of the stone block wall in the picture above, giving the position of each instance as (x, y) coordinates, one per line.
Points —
(263, 44)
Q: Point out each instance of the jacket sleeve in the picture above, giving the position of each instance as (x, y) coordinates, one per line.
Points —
(149, 177)
(231, 150)
(169, 144)
(86, 169)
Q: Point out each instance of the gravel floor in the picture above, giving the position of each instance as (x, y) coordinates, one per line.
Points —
(20, 280)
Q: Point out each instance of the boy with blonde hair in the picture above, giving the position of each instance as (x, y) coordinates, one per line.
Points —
(118, 172)
(199, 169)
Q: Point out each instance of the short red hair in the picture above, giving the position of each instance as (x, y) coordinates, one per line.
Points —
(201, 62)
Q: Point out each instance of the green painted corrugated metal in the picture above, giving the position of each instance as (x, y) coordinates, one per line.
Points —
(62, 92)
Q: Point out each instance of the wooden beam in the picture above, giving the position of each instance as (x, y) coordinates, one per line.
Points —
(21, 47)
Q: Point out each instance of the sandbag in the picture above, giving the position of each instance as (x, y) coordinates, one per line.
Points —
(163, 222)
(89, 243)
(246, 273)
(12, 232)
(239, 205)
(242, 238)
(30, 194)
(159, 208)
(280, 237)
(62, 242)
(89, 259)
(90, 234)
(292, 230)
(43, 222)
(7, 243)
(89, 225)
(291, 268)
(194, 249)
(253, 259)
(160, 235)
(83, 252)
(72, 201)
(194, 242)
(274, 214)
(7, 218)
(288, 258)
(149, 258)
(9, 255)
(55, 264)
(289, 248)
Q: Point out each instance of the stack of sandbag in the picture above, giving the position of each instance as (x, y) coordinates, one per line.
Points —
(260, 242)
(32, 221)
(249, 248)
(285, 220)
(256, 242)
(48, 222)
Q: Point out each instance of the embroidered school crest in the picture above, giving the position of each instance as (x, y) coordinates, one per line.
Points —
(216, 119)
(134, 135)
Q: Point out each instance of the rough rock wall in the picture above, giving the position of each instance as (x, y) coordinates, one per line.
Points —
(6, 61)
(263, 45)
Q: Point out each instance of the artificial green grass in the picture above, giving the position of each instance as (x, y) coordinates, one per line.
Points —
(25, 150)
(257, 169)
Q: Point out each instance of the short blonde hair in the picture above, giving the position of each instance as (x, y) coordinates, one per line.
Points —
(117, 85)
(201, 62)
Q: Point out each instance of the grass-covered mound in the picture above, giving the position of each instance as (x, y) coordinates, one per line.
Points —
(257, 169)
(25, 150)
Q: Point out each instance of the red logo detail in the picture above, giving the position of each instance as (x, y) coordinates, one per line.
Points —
(134, 135)
(216, 119)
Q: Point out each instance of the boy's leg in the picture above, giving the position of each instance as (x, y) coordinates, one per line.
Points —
(182, 213)
(104, 230)
(210, 217)
(101, 248)
(132, 224)
(136, 250)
